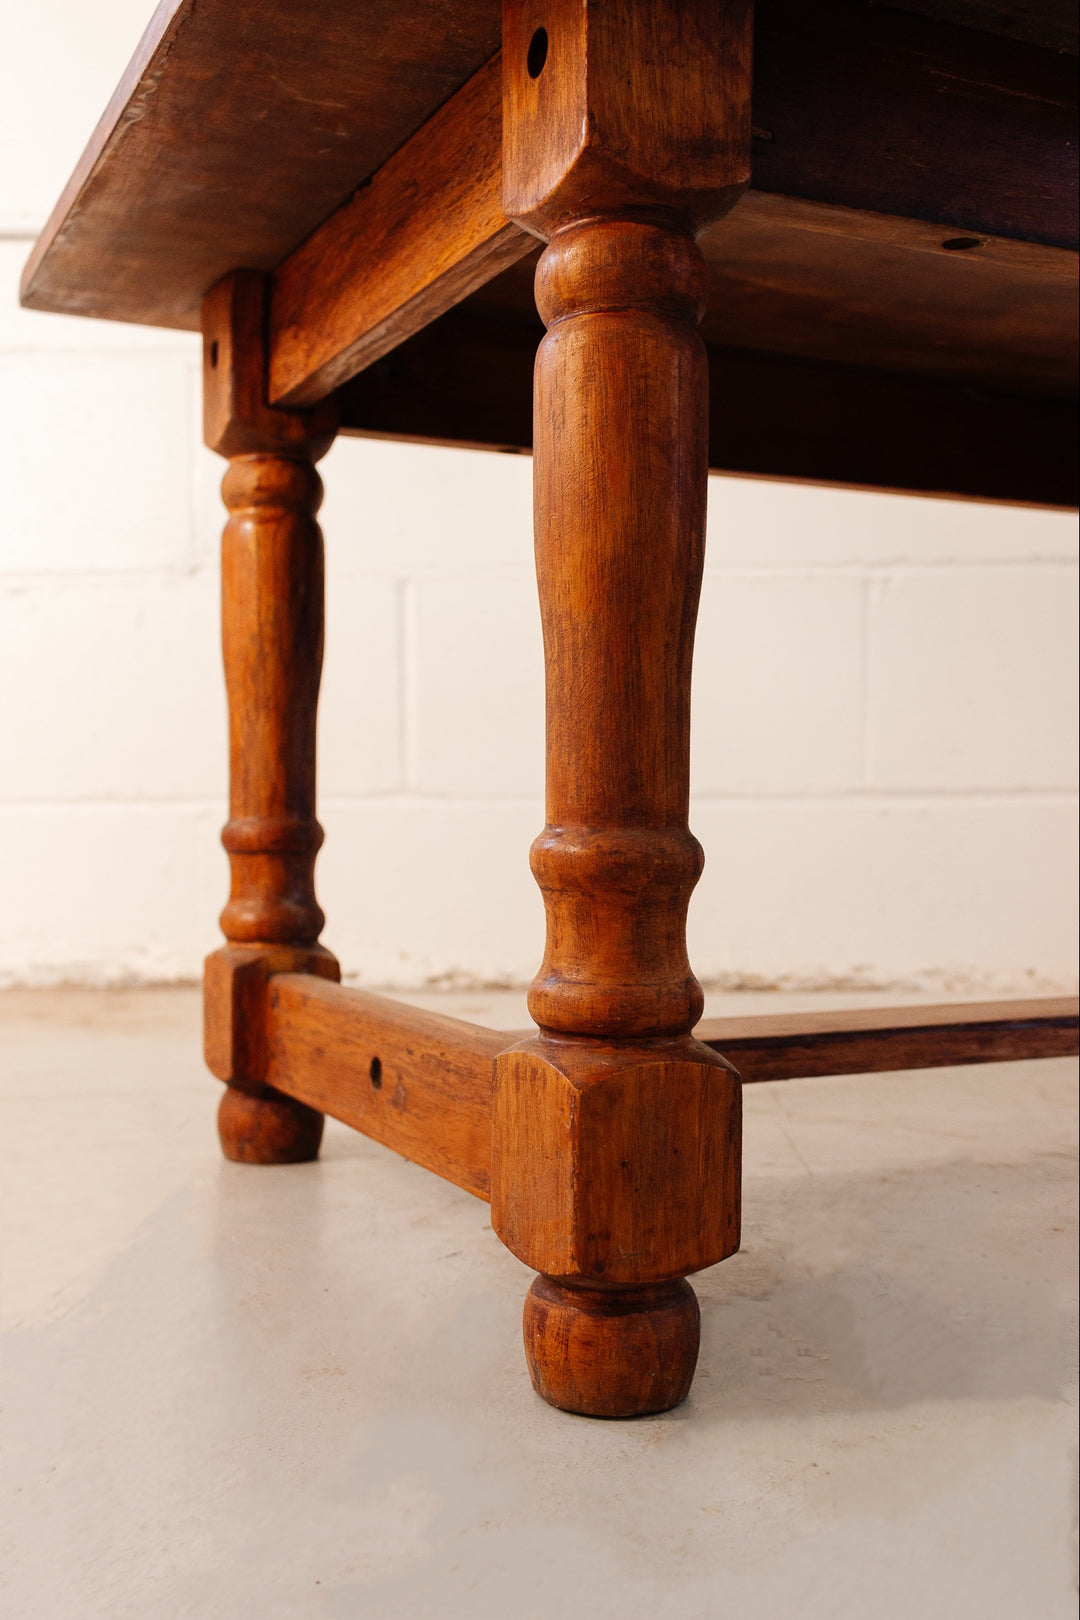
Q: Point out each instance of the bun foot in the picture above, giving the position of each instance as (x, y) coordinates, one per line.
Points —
(612, 1352)
(269, 1129)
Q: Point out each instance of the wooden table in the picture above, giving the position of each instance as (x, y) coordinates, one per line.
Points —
(859, 224)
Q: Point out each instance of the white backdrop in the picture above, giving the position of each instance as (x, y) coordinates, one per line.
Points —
(885, 698)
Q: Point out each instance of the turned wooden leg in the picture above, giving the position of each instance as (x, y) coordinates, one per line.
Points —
(272, 635)
(616, 1136)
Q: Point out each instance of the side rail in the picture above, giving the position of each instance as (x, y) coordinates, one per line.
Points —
(421, 1083)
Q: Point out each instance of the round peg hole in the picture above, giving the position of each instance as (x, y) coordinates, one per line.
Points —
(960, 244)
(214, 355)
(375, 1072)
(538, 53)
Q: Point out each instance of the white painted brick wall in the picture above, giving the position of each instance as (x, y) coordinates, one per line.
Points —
(885, 695)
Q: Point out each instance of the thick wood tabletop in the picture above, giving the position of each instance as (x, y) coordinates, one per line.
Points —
(241, 124)
(912, 214)
(238, 126)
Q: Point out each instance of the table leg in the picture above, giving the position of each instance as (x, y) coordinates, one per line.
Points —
(616, 1136)
(272, 633)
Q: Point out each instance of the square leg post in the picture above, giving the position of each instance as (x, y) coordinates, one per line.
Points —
(272, 637)
(616, 1136)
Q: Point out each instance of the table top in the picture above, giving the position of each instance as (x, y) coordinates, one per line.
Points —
(913, 202)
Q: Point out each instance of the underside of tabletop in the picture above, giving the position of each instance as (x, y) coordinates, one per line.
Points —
(893, 303)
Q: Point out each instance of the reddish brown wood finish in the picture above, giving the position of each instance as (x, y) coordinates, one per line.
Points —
(620, 480)
(426, 231)
(267, 1129)
(624, 1351)
(421, 1083)
(244, 126)
(810, 280)
(615, 1162)
(628, 106)
(236, 983)
(366, 178)
(613, 1130)
(938, 116)
(867, 1040)
(238, 127)
(272, 637)
(789, 275)
(415, 1081)
(241, 125)
(769, 416)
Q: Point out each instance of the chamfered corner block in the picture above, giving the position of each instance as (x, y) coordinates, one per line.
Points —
(616, 1164)
(615, 1172)
(625, 106)
(235, 989)
(238, 419)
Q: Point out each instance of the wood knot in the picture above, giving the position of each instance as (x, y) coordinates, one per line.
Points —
(619, 263)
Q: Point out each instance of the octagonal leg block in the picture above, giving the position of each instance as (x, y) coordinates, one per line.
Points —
(256, 1124)
(615, 1173)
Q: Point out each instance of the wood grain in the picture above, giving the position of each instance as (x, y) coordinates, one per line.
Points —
(615, 1136)
(426, 231)
(239, 126)
(210, 156)
(235, 989)
(859, 289)
(834, 284)
(272, 599)
(791, 1046)
(415, 1081)
(272, 642)
(577, 135)
(619, 407)
(616, 1162)
(319, 1041)
(237, 417)
(621, 1352)
(873, 109)
(272, 588)
(770, 416)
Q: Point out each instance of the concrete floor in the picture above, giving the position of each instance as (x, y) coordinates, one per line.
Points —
(249, 1394)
